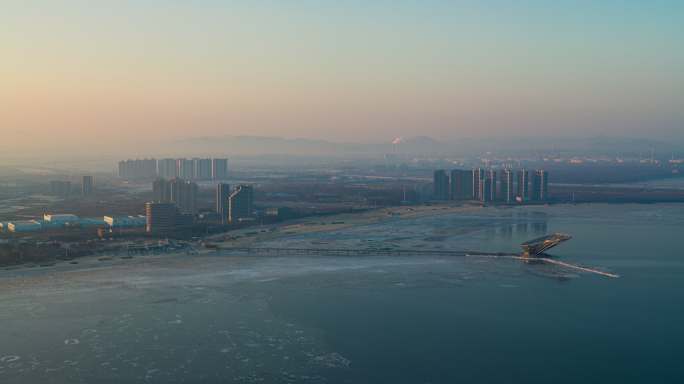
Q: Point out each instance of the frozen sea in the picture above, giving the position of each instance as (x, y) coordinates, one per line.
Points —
(413, 319)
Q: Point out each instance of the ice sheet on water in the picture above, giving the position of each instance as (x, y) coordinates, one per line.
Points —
(332, 360)
(9, 359)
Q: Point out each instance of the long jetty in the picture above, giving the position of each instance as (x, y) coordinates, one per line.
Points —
(275, 251)
(272, 251)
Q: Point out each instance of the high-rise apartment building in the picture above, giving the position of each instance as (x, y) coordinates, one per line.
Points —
(168, 168)
(540, 185)
(478, 186)
(487, 186)
(440, 184)
(161, 190)
(184, 195)
(138, 169)
(523, 185)
(506, 191)
(219, 169)
(461, 184)
(240, 203)
(186, 169)
(87, 185)
(60, 188)
(222, 196)
(202, 169)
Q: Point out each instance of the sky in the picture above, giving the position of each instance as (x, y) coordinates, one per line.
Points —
(85, 75)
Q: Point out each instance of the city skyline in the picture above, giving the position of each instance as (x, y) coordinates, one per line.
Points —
(340, 72)
(341, 191)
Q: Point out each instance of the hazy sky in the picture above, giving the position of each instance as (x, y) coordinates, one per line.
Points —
(103, 73)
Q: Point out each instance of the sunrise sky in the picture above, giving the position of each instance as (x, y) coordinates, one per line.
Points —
(84, 74)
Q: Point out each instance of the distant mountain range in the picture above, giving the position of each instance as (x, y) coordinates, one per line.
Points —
(251, 145)
(287, 150)
(423, 145)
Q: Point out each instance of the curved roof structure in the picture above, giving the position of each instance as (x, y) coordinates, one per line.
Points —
(544, 243)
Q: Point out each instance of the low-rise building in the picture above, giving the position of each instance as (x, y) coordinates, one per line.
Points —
(125, 221)
(24, 226)
(61, 219)
(90, 222)
(279, 212)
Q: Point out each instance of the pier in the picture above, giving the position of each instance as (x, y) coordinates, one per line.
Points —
(273, 251)
(355, 252)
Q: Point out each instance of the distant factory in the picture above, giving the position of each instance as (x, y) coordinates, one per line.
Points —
(483, 185)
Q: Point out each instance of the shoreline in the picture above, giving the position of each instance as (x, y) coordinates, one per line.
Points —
(251, 236)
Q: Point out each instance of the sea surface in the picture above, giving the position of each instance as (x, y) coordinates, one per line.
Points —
(376, 319)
